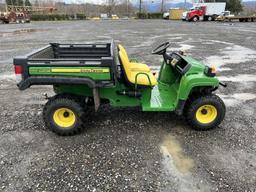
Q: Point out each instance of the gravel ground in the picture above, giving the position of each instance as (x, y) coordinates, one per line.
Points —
(125, 149)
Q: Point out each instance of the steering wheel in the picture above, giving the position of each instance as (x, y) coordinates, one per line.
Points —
(161, 49)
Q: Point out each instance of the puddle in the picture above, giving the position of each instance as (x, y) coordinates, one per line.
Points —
(172, 150)
(247, 30)
(177, 168)
(232, 54)
(237, 98)
(7, 76)
(149, 42)
(239, 78)
(222, 42)
(20, 31)
(174, 38)
(26, 30)
(182, 46)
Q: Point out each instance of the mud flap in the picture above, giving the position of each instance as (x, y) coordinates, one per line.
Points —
(180, 107)
(96, 99)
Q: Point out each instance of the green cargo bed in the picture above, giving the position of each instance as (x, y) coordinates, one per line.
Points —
(91, 64)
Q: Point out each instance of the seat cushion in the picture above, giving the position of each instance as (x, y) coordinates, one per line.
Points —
(142, 78)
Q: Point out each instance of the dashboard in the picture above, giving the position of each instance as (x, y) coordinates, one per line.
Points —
(177, 62)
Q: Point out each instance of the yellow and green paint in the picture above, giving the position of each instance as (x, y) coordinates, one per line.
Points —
(95, 73)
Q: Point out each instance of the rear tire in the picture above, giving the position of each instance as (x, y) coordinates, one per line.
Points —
(210, 18)
(64, 115)
(205, 112)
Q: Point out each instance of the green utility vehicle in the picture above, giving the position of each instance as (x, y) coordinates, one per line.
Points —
(86, 74)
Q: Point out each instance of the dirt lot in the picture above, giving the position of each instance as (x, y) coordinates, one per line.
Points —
(125, 149)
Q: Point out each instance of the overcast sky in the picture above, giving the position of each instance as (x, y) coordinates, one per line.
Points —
(103, 1)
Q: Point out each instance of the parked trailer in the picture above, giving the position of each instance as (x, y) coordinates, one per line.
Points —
(236, 18)
(14, 17)
(205, 11)
(176, 14)
(21, 14)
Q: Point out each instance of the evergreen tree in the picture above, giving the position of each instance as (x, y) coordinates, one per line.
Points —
(19, 2)
(13, 2)
(8, 2)
(27, 3)
(36, 3)
(234, 6)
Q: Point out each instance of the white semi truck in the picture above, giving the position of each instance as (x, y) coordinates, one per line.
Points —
(204, 11)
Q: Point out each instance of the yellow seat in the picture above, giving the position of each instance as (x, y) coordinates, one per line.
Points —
(134, 65)
(144, 77)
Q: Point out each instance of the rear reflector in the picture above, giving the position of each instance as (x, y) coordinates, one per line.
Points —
(18, 72)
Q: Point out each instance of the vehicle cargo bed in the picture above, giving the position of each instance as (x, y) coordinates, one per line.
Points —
(91, 64)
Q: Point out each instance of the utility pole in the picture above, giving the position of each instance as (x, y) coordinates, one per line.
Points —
(140, 6)
(162, 6)
(128, 3)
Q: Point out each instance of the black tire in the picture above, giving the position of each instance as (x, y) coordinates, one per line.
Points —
(194, 105)
(73, 108)
(195, 19)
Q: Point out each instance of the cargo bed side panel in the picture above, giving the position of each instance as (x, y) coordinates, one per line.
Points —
(95, 73)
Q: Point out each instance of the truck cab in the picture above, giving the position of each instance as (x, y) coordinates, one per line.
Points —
(196, 14)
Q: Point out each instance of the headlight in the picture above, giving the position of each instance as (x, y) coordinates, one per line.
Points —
(210, 71)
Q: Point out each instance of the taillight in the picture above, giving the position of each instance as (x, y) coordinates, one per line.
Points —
(18, 69)
(18, 72)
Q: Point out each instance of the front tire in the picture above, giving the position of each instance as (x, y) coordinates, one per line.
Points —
(195, 19)
(64, 115)
(205, 112)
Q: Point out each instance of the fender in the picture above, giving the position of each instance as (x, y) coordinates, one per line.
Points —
(190, 81)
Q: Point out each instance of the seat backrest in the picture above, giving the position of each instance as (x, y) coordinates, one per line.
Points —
(125, 63)
(122, 49)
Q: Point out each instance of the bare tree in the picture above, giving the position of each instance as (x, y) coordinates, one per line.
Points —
(110, 6)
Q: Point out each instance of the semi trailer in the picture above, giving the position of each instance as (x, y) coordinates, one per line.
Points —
(227, 16)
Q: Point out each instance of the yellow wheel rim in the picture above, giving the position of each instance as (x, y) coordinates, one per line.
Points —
(64, 117)
(206, 114)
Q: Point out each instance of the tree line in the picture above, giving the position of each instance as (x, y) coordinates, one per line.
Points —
(18, 2)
